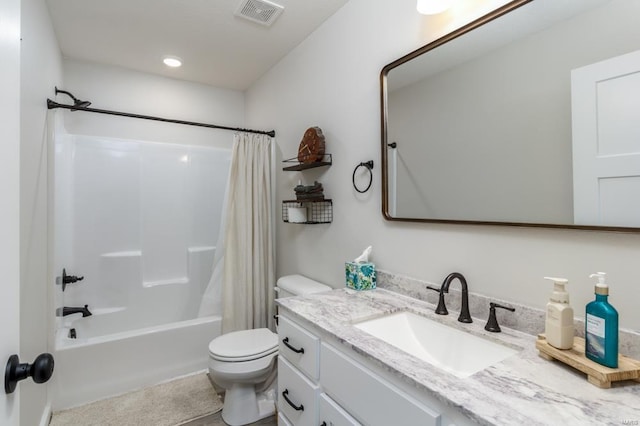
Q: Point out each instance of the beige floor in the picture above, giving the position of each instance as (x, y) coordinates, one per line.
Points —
(166, 404)
(216, 420)
(164, 395)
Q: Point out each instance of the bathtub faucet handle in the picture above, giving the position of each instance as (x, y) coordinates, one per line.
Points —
(67, 310)
(70, 279)
(67, 279)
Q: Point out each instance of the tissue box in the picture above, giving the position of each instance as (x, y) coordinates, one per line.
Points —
(360, 276)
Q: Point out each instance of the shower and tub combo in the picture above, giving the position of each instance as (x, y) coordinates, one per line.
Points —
(136, 225)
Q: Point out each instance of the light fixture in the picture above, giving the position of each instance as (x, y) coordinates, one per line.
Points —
(172, 61)
(432, 7)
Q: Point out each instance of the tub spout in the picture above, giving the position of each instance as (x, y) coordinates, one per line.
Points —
(66, 310)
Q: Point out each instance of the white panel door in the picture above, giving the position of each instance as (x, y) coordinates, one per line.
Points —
(9, 198)
(606, 142)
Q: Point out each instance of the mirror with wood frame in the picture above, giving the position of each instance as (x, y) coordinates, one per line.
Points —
(527, 116)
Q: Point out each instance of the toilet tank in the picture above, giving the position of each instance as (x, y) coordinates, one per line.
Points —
(298, 285)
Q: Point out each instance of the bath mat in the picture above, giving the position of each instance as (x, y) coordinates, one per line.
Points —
(166, 404)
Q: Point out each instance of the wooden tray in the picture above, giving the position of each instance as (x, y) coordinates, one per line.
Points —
(599, 375)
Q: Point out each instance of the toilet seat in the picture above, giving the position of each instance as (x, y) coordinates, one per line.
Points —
(245, 345)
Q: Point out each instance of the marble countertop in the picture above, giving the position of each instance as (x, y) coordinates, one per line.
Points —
(523, 389)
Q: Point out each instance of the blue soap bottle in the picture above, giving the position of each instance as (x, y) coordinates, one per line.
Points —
(601, 327)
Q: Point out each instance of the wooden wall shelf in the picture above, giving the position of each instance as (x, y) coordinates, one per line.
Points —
(294, 165)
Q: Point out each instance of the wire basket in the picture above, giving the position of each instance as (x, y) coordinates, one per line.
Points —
(308, 211)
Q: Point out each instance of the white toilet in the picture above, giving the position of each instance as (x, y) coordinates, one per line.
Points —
(244, 362)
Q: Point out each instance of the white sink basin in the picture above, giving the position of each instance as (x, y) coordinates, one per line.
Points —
(455, 351)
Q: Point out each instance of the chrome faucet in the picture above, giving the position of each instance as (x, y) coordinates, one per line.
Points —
(66, 310)
(465, 316)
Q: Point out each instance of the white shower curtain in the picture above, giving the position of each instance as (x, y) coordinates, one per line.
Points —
(243, 274)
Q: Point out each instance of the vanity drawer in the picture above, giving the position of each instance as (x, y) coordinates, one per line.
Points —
(299, 347)
(331, 414)
(297, 395)
(369, 397)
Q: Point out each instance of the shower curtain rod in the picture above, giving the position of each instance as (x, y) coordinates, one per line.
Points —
(52, 105)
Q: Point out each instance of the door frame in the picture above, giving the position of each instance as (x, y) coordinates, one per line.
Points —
(10, 196)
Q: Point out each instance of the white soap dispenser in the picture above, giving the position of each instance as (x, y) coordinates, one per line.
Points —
(559, 327)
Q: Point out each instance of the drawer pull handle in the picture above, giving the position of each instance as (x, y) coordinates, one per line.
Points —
(286, 398)
(296, 350)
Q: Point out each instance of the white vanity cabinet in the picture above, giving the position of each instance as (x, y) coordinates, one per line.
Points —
(322, 382)
(300, 347)
(300, 398)
(369, 397)
(331, 414)
(298, 374)
(297, 395)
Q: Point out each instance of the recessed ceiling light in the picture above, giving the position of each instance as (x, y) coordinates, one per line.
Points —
(172, 61)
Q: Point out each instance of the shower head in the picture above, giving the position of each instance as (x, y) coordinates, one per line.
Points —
(76, 102)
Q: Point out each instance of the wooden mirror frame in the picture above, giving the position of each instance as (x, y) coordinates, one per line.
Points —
(495, 14)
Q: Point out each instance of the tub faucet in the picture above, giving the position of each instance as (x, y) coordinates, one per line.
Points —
(66, 310)
(465, 316)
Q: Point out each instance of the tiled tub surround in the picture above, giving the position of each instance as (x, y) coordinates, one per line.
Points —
(526, 319)
(523, 389)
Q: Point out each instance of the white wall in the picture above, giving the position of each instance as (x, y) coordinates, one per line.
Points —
(118, 89)
(41, 70)
(332, 80)
(9, 191)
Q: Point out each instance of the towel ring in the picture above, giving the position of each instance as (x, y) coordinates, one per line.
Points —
(369, 166)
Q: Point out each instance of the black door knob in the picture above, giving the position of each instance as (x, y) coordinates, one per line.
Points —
(41, 371)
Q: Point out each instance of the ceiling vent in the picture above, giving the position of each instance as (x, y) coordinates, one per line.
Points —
(261, 11)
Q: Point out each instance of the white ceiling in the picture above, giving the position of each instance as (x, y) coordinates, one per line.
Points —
(217, 48)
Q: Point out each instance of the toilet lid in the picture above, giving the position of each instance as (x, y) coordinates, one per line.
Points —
(244, 345)
(300, 285)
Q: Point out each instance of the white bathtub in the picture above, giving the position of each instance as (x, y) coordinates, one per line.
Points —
(93, 368)
(146, 336)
